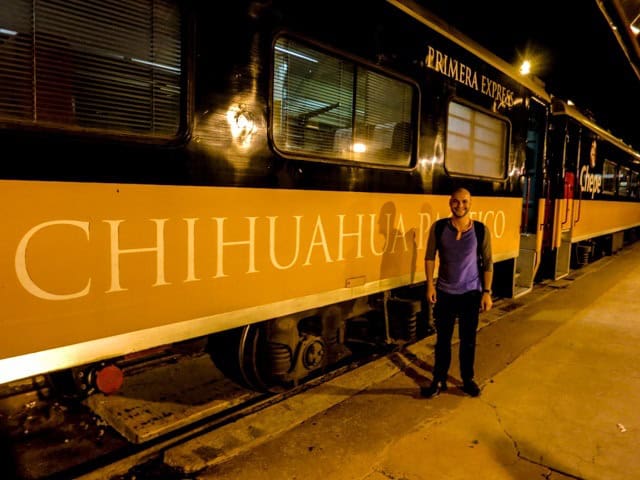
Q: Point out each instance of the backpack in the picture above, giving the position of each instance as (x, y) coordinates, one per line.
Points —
(478, 227)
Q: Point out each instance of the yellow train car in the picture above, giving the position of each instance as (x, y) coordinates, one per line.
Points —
(265, 190)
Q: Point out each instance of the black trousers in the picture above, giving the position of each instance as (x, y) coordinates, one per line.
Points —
(466, 308)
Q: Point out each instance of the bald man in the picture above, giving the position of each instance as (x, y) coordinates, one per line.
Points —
(463, 289)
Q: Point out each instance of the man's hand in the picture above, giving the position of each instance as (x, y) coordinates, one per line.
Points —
(486, 302)
(431, 294)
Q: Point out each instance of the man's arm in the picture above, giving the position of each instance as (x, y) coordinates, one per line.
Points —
(430, 264)
(486, 302)
(429, 267)
(487, 276)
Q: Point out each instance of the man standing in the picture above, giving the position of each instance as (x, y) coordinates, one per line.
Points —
(465, 274)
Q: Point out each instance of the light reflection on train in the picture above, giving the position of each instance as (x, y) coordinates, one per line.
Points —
(271, 193)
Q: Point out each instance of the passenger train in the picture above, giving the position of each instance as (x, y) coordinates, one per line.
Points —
(259, 177)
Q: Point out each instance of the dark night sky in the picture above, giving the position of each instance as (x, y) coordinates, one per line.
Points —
(576, 53)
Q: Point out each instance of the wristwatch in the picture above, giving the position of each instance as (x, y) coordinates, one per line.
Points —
(486, 290)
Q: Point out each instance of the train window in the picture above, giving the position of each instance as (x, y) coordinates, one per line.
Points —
(633, 185)
(624, 181)
(89, 65)
(476, 143)
(609, 178)
(329, 107)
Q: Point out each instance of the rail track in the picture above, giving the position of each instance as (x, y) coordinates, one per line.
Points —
(50, 435)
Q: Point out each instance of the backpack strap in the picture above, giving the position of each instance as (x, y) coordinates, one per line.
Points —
(479, 230)
(439, 228)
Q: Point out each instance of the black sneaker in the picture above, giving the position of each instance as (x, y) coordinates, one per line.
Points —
(471, 388)
(433, 390)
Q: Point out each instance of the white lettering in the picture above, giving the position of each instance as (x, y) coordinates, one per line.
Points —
(496, 224)
(373, 230)
(342, 235)
(424, 228)
(116, 251)
(318, 230)
(590, 182)
(21, 263)
(272, 243)
(191, 267)
(388, 233)
(499, 224)
(221, 244)
(399, 233)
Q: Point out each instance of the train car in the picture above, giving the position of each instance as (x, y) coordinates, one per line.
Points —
(261, 175)
(595, 190)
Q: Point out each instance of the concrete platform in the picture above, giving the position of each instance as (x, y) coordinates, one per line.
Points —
(560, 387)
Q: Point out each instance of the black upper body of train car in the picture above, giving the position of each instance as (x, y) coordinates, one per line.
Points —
(589, 163)
(259, 94)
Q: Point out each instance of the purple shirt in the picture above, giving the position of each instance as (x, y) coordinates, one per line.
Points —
(458, 270)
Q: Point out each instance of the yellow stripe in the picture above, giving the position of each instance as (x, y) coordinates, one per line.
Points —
(81, 262)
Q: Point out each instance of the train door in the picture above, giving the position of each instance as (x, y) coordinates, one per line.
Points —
(564, 203)
(533, 204)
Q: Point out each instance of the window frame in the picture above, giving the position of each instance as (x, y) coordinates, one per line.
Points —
(604, 177)
(623, 172)
(357, 62)
(507, 142)
(634, 184)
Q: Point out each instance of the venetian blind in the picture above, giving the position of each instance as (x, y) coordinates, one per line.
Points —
(109, 65)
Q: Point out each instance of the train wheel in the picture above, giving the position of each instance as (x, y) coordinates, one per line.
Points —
(241, 355)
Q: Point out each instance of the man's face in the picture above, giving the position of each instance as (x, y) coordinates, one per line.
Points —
(460, 203)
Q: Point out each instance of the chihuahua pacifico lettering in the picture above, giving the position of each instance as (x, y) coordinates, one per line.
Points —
(304, 250)
(101, 259)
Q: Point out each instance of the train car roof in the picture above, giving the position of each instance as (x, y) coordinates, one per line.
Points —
(560, 107)
(429, 19)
